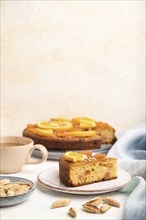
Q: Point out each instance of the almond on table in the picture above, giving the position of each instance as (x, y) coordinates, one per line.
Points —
(100, 205)
(72, 212)
(94, 202)
(91, 208)
(111, 201)
(105, 208)
(60, 203)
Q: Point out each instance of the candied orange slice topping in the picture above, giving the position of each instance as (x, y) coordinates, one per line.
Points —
(63, 127)
(74, 156)
(42, 132)
(60, 119)
(100, 156)
(80, 133)
(87, 124)
(81, 119)
(84, 122)
(31, 126)
(54, 125)
(88, 153)
(102, 125)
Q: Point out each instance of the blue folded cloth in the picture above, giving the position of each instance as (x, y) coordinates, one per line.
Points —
(130, 149)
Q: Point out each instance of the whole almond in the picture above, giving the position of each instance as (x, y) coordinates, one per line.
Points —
(2, 193)
(94, 202)
(5, 182)
(111, 201)
(91, 209)
(105, 207)
(10, 193)
(72, 212)
(60, 203)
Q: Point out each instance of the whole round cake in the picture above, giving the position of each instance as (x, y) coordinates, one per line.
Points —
(80, 133)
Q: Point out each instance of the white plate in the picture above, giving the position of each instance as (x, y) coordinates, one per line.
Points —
(55, 155)
(50, 179)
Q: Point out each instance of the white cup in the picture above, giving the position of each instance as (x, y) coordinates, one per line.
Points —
(15, 152)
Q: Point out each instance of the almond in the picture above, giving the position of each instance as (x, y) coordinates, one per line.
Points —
(5, 182)
(94, 202)
(72, 212)
(91, 209)
(111, 201)
(105, 207)
(8, 188)
(60, 203)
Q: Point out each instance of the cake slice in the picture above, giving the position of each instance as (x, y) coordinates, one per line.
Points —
(76, 169)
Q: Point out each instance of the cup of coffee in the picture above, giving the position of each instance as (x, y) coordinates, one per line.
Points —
(15, 152)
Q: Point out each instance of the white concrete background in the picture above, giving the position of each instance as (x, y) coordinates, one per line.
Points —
(72, 58)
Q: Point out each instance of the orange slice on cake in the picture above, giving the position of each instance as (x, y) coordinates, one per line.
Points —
(41, 132)
(87, 124)
(54, 125)
(80, 133)
(60, 119)
(81, 119)
(74, 156)
(84, 122)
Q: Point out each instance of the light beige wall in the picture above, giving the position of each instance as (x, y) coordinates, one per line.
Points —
(72, 58)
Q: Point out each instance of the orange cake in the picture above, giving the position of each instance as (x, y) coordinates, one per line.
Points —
(76, 169)
(79, 133)
(106, 132)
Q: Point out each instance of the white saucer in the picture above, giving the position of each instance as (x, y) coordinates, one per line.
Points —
(50, 179)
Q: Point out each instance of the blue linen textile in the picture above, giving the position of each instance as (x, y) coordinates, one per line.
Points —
(130, 149)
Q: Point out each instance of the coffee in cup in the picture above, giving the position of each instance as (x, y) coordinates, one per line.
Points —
(15, 152)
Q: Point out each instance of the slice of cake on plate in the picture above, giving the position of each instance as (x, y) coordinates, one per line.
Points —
(76, 169)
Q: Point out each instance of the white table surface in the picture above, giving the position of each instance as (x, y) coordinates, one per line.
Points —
(38, 205)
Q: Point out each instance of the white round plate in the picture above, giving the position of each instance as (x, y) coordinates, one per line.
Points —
(50, 179)
(55, 155)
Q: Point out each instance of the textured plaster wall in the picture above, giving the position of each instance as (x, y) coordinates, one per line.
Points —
(72, 58)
